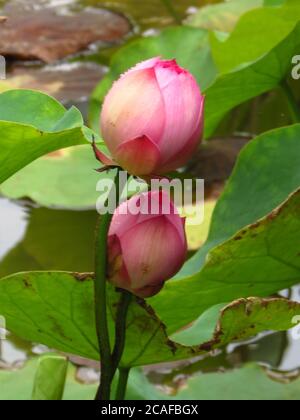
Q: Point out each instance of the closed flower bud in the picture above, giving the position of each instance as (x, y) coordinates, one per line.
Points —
(152, 118)
(146, 244)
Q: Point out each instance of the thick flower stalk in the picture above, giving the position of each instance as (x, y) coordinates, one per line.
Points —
(146, 244)
(152, 118)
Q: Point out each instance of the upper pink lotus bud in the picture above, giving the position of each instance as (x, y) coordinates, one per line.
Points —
(152, 118)
(146, 249)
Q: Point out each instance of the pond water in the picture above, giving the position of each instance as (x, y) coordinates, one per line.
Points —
(35, 238)
(146, 14)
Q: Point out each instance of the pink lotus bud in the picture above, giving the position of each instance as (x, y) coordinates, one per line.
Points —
(146, 249)
(152, 118)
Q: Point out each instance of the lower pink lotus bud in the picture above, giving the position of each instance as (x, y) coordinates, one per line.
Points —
(146, 248)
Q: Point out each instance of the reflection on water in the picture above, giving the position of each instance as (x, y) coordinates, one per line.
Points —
(34, 238)
(14, 350)
(145, 14)
(54, 240)
(13, 223)
(150, 13)
(291, 354)
(292, 349)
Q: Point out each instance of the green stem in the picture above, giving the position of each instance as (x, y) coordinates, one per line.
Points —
(293, 104)
(122, 384)
(169, 6)
(101, 255)
(120, 337)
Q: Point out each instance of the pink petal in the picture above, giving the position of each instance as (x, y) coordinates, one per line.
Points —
(139, 157)
(117, 271)
(174, 218)
(148, 291)
(123, 219)
(114, 247)
(153, 252)
(147, 64)
(101, 157)
(167, 71)
(128, 112)
(179, 225)
(182, 157)
(183, 104)
(159, 203)
(169, 210)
